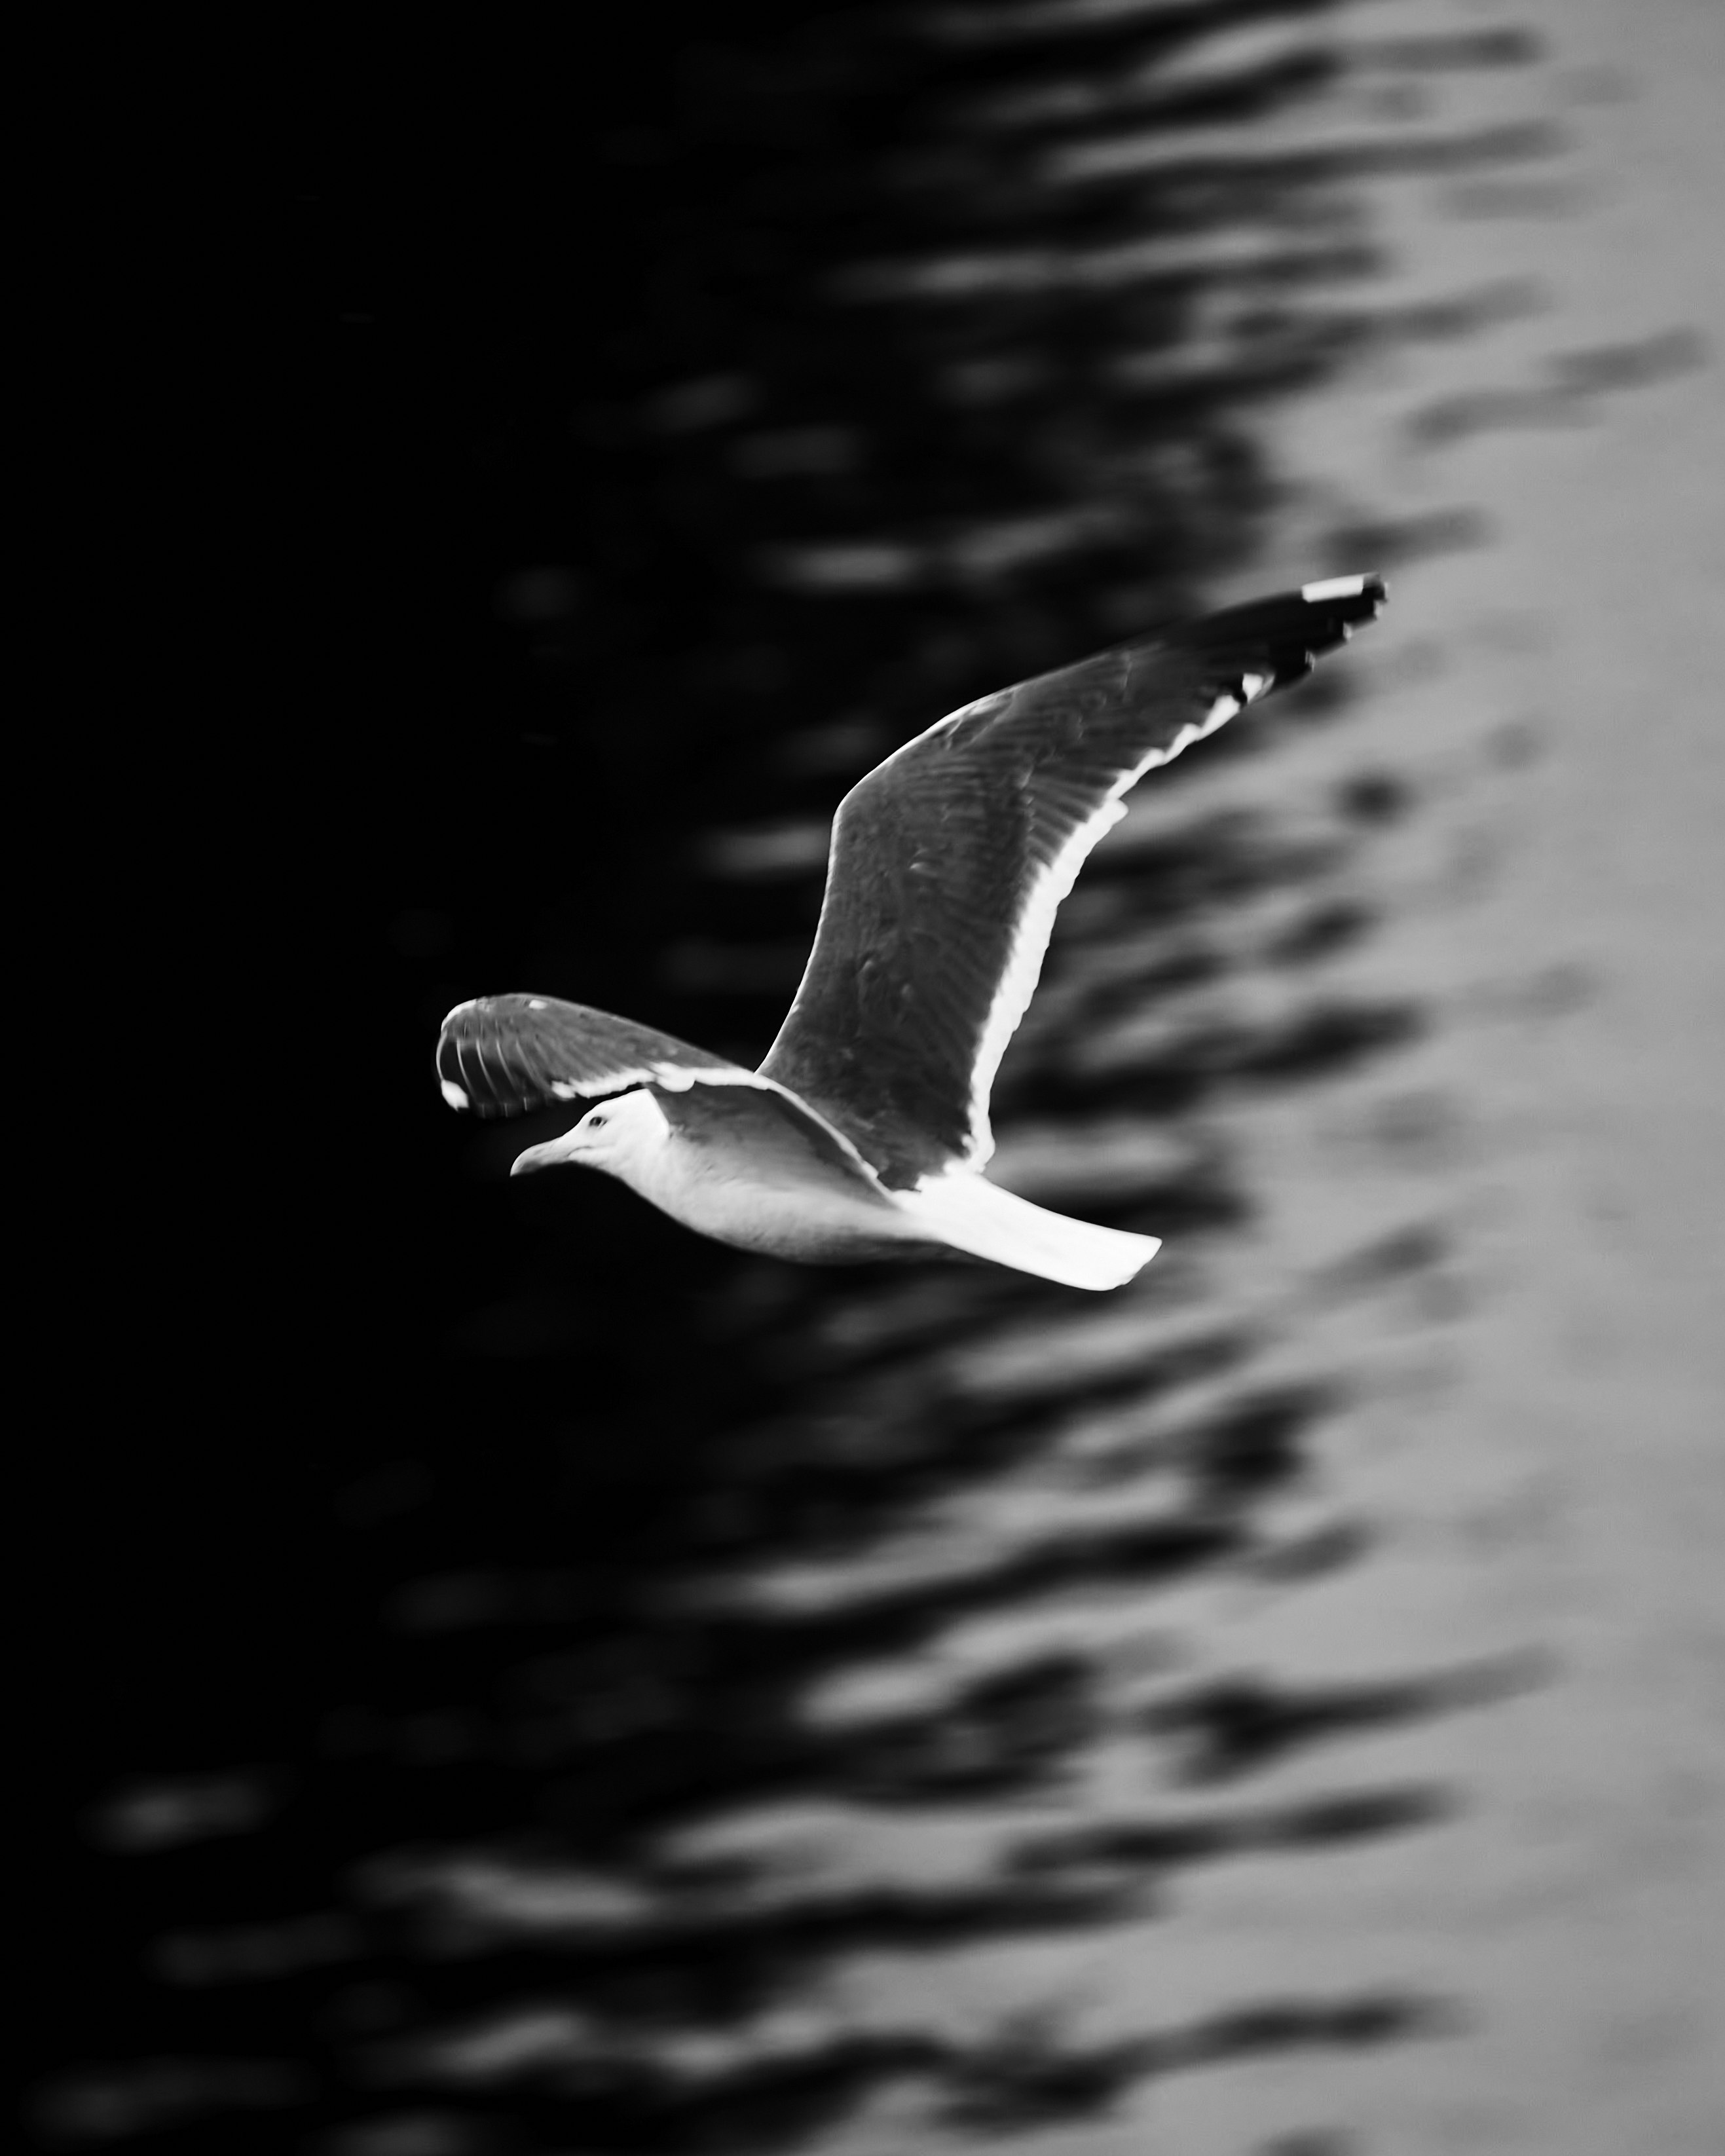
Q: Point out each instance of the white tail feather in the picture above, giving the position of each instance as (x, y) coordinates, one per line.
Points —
(988, 1222)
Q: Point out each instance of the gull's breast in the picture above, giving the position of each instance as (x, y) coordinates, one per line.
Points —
(736, 1167)
(811, 1224)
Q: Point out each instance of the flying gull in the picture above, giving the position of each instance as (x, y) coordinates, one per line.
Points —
(865, 1132)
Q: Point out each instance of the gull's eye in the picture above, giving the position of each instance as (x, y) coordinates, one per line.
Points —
(596, 1122)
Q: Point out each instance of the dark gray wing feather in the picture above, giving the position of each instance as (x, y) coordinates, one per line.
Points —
(948, 860)
(502, 1056)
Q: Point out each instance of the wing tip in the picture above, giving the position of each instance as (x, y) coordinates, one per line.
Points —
(1271, 643)
(1367, 585)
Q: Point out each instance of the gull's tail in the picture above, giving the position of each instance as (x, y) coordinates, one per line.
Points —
(985, 1221)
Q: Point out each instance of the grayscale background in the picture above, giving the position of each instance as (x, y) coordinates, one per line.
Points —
(528, 1682)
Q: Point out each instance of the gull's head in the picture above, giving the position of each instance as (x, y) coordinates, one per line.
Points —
(617, 1135)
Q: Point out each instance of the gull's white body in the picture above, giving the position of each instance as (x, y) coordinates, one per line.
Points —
(792, 1202)
(865, 1132)
(786, 1202)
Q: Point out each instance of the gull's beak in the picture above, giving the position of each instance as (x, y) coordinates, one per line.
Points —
(553, 1153)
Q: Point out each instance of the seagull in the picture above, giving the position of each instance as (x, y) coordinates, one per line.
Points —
(865, 1132)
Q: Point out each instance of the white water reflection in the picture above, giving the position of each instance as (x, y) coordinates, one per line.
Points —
(1523, 1413)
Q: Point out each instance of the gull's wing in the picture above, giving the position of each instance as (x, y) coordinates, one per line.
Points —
(502, 1055)
(949, 860)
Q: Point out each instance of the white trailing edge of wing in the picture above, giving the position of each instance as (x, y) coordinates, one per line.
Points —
(1047, 891)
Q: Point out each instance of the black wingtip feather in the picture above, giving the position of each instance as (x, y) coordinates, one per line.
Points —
(480, 1055)
(1283, 637)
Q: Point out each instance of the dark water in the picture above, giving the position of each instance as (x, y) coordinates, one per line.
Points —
(521, 1659)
